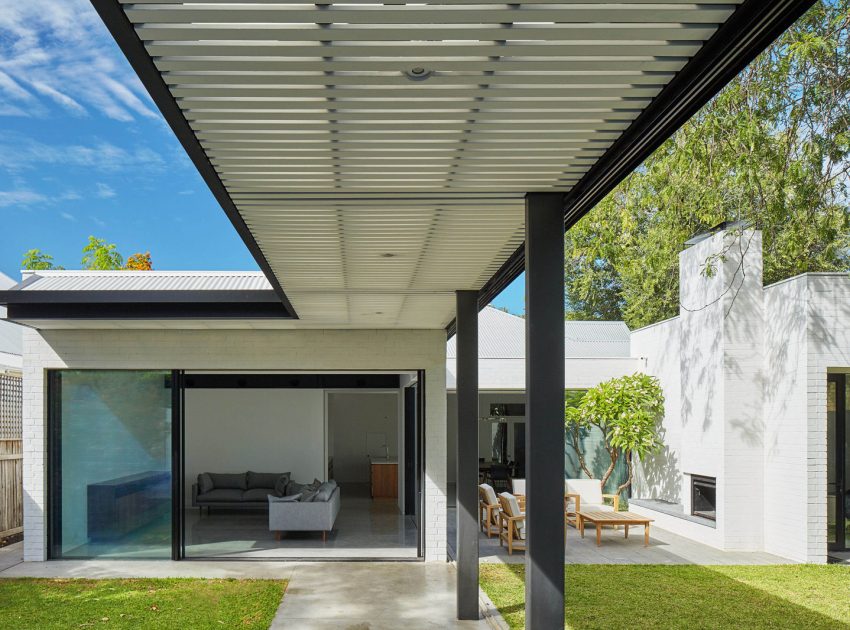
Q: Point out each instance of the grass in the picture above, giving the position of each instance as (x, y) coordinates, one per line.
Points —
(659, 597)
(138, 603)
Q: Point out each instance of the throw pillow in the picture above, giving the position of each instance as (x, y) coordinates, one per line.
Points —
(205, 483)
(309, 497)
(289, 499)
(281, 484)
(325, 491)
(293, 487)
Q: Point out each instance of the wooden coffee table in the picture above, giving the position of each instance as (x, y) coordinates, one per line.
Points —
(626, 519)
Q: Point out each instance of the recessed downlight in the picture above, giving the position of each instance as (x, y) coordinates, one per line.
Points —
(418, 73)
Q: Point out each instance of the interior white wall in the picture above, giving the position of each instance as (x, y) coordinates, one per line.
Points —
(262, 430)
(350, 417)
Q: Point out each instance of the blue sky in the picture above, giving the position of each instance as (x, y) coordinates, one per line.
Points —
(83, 151)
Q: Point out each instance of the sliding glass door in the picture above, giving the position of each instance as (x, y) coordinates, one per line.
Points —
(112, 451)
(838, 462)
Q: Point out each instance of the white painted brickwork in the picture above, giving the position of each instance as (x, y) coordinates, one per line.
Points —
(748, 404)
(235, 350)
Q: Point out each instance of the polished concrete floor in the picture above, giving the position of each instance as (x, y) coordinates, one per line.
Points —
(664, 548)
(365, 528)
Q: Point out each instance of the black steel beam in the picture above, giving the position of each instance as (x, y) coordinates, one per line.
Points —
(125, 36)
(467, 454)
(544, 427)
(753, 26)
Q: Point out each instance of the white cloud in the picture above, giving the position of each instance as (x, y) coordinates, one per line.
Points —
(21, 153)
(186, 192)
(67, 216)
(105, 191)
(59, 52)
(20, 198)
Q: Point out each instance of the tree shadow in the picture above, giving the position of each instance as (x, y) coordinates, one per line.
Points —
(674, 597)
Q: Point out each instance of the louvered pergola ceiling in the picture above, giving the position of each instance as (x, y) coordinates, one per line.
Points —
(375, 156)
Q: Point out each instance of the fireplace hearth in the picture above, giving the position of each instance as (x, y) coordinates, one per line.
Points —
(704, 497)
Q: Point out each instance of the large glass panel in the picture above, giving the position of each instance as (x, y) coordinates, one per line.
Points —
(113, 442)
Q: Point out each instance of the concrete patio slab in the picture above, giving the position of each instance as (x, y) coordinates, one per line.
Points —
(11, 555)
(371, 596)
(664, 548)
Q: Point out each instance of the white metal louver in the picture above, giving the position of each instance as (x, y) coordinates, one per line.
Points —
(373, 193)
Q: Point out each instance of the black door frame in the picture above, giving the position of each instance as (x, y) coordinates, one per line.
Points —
(840, 452)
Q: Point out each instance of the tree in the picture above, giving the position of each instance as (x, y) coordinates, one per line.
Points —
(139, 262)
(627, 412)
(772, 149)
(99, 255)
(36, 260)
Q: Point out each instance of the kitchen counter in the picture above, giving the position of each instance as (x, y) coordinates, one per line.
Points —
(384, 460)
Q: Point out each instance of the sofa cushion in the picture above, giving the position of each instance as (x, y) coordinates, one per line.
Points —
(325, 491)
(293, 487)
(281, 484)
(309, 496)
(590, 490)
(290, 499)
(265, 480)
(205, 483)
(222, 495)
(235, 481)
(256, 494)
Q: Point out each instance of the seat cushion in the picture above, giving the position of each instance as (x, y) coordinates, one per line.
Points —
(489, 493)
(265, 480)
(229, 481)
(590, 490)
(257, 494)
(222, 495)
(518, 486)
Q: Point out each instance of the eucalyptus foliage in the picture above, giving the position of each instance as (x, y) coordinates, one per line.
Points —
(627, 411)
(772, 149)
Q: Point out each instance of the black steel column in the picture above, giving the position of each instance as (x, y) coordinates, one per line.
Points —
(544, 385)
(467, 454)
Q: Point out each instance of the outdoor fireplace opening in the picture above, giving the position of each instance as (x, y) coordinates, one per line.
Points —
(704, 497)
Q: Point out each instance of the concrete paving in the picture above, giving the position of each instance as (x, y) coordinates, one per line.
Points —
(371, 596)
(664, 548)
(320, 595)
(11, 555)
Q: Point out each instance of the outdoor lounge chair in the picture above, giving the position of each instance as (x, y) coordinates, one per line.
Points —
(586, 494)
(512, 519)
(488, 510)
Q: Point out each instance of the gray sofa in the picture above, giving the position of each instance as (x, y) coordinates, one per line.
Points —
(240, 490)
(317, 512)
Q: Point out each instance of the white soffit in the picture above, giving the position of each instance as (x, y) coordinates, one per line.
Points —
(372, 196)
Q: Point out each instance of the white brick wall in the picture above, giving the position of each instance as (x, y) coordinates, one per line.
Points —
(235, 350)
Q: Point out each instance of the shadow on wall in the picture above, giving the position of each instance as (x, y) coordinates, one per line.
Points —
(660, 475)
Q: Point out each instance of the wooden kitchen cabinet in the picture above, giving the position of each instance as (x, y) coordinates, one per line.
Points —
(385, 480)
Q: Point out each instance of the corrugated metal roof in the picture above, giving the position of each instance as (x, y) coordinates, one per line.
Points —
(148, 281)
(502, 336)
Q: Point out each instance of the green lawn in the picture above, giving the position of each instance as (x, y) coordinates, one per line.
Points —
(654, 596)
(138, 603)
